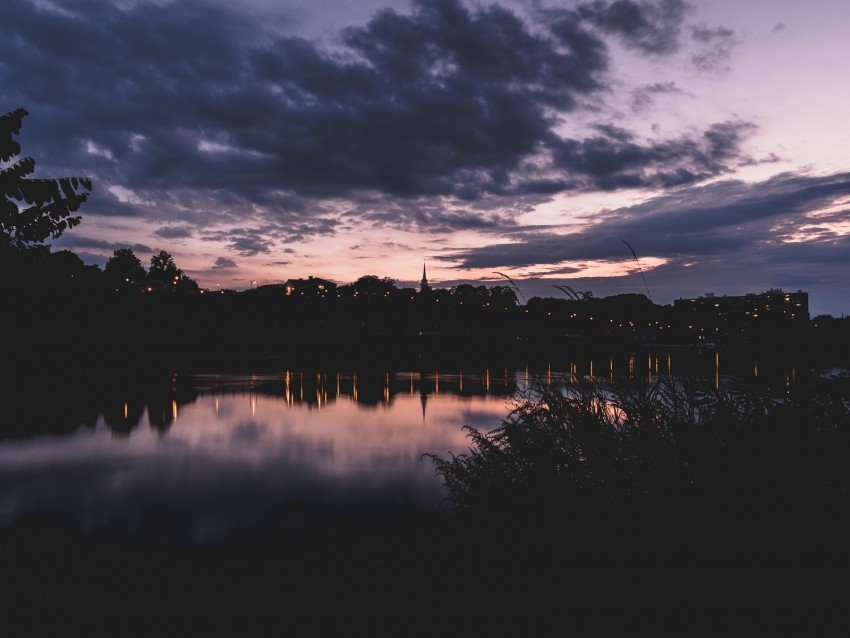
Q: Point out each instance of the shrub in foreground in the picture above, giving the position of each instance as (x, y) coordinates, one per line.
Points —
(666, 452)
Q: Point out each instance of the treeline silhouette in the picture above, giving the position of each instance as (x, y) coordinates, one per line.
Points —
(55, 303)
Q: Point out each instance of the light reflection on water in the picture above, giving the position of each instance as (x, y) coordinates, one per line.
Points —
(216, 452)
(243, 446)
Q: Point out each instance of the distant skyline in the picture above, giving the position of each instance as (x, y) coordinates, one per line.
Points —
(335, 138)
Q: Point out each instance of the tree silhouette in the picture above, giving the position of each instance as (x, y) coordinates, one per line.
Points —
(124, 269)
(165, 275)
(503, 297)
(372, 286)
(163, 272)
(31, 210)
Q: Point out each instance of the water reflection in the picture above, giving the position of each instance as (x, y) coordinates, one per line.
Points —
(159, 400)
(218, 450)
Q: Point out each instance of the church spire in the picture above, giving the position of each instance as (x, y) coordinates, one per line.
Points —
(423, 285)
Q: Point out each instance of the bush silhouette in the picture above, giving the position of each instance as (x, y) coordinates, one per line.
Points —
(663, 455)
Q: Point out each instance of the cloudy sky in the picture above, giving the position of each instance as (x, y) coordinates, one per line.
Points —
(271, 139)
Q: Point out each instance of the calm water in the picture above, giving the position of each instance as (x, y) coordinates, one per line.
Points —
(219, 452)
(211, 454)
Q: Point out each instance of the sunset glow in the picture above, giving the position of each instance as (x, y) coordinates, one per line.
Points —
(283, 140)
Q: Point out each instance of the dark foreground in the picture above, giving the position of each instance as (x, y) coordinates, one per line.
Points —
(754, 542)
(432, 573)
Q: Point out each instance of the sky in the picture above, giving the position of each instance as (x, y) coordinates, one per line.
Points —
(266, 140)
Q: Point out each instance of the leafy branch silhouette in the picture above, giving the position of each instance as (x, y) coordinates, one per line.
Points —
(31, 210)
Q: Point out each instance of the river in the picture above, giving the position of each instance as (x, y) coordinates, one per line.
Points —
(204, 455)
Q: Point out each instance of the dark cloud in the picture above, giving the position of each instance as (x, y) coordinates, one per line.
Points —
(715, 46)
(564, 270)
(250, 241)
(615, 159)
(651, 27)
(222, 263)
(73, 241)
(173, 232)
(644, 97)
(727, 220)
(440, 215)
(434, 218)
(103, 202)
(444, 101)
(295, 233)
(246, 242)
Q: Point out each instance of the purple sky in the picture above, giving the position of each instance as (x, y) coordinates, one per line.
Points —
(338, 138)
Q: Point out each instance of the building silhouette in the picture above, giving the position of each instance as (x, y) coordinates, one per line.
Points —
(310, 287)
(773, 305)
